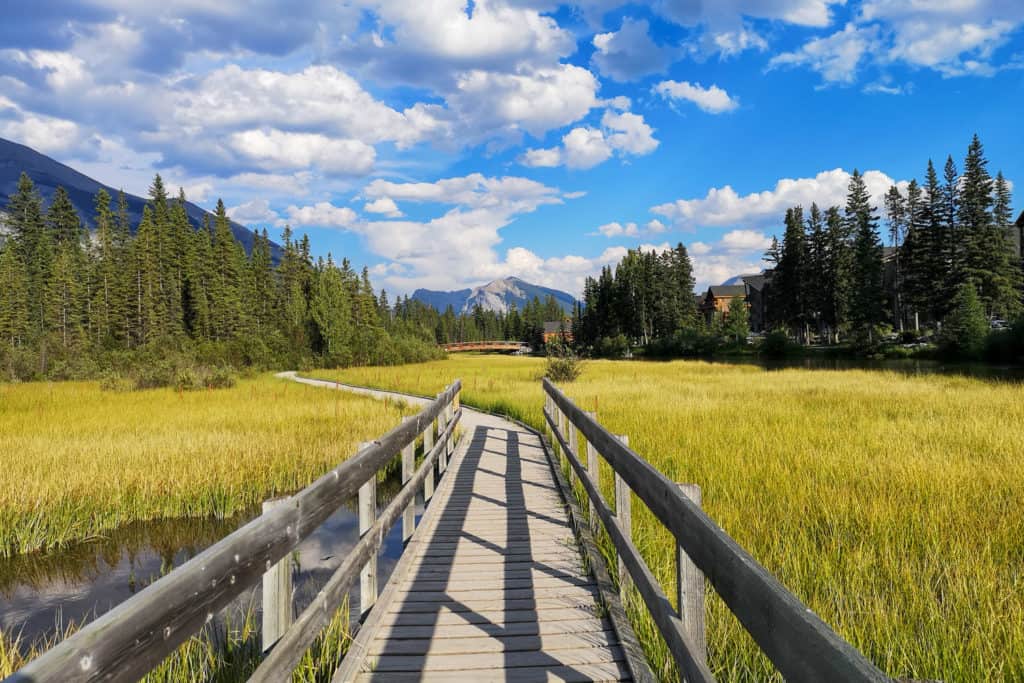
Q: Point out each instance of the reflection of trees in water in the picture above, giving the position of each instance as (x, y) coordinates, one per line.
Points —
(163, 538)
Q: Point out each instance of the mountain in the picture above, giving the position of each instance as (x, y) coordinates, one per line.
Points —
(48, 173)
(499, 295)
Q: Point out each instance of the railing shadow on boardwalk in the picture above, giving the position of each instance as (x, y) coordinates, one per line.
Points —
(517, 567)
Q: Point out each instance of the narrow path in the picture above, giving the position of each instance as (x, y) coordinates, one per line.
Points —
(492, 586)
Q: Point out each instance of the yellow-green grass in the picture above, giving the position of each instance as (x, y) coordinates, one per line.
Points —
(890, 504)
(76, 461)
(229, 653)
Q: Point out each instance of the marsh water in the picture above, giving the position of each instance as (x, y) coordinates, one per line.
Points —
(41, 593)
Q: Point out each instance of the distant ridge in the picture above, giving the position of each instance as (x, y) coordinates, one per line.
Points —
(498, 296)
(48, 174)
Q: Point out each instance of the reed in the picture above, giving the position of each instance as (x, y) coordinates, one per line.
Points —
(889, 504)
(77, 461)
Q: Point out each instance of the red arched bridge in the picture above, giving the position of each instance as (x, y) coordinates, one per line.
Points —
(502, 346)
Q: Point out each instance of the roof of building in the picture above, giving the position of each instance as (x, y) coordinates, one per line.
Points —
(1020, 219)
(556, 327)
(720, 291)
(755, 281)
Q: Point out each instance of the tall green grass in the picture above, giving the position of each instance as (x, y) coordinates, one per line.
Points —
(76, 461)
(889, 504)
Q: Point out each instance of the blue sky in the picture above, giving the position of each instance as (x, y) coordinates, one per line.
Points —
(445, 143)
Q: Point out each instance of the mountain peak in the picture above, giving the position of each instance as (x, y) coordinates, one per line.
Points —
(498, 295)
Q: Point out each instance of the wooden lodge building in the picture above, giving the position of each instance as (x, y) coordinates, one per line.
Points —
(752, 288)
(558, 331)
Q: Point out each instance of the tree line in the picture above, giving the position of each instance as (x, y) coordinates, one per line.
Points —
(75, 302)
(831, 275)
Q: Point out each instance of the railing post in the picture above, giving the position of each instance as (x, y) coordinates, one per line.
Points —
(593, 467)
(428, 445)
(277, 593)
(408, 467)
(573, 446)
(442, 423)
(690, 588)
(622, 514)
(367, 516)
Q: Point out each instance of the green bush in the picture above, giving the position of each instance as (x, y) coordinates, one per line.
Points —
(563, 365)
(777, 344)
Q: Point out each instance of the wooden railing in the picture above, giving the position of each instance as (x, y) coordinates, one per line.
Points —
(801, 645)
(131, 639)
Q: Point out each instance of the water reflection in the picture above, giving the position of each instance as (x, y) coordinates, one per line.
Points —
(40, 593)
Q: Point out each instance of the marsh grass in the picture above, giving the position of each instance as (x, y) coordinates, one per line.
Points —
(889, 504)
(76, 461)
(226, 653)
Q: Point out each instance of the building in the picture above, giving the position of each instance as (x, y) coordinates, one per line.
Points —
(757, 299)
(717, 299)
(558, 331)
(1017, 236)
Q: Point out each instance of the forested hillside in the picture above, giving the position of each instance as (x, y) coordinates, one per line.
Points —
(76, 303)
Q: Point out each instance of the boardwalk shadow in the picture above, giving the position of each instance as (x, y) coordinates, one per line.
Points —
(478, 579)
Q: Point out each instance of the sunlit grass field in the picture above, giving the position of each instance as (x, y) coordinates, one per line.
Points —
(76, 461)
(892, 505)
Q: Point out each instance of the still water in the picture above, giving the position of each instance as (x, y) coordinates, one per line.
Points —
(40, 593)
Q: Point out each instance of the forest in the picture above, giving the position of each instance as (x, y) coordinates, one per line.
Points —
(950, 276)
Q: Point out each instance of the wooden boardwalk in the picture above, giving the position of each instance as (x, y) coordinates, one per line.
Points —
(492, 586)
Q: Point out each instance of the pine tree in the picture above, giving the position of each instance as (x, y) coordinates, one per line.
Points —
(913, 255)
(816, 270)
(896, 215)
(938, 271)
(331, 308)
(225, 285)
(789, 290)
(14, 300)
(63, 220)
(838, 268)
(866, 282)
(34, 245)
(105, 300)
(952, 239)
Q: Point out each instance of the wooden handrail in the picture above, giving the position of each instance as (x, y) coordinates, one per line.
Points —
(798, 642)
(132, 638)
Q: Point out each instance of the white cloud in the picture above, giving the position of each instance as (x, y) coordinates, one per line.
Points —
(730, 12)
(585, 148)
(253, 211)
(699, 248)
(836, 57)
(616, 229)
(383, 205)
(629, 133)
(535, 101)
(542, 158)
(275, 149)
(732, 43)
(629, 53)
(655, 226)
(745, 240)
(45, 133)
(713, 100)
(319, 215)
(724, 207)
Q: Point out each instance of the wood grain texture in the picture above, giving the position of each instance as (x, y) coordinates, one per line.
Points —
(492, 581)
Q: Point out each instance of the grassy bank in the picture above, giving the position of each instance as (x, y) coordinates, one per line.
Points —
(76, 461)
(889, 504)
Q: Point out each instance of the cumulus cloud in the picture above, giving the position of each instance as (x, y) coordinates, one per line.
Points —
(745, 240)
(582, 147)
(275, 149)
(383, 205)
(724, 207)
(253, 211)
(815, 13)
(836, 57)
(319, 215)
(713, 100)
(616, 229)
(629, 53)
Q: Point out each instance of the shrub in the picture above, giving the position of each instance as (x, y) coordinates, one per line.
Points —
(612, 347)
(777, 344)
(563, 365)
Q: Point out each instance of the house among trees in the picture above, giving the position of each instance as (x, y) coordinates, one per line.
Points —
(717, 299)
(757, 299)
(559, 330)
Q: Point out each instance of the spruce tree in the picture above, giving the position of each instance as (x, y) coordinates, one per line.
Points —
(896, 216)
(14, 299)
(866, 282)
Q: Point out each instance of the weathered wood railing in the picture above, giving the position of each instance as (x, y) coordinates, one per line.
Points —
(131, 639)
(801, 645)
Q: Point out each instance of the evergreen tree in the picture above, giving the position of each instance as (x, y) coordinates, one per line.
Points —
(14, 301)
(816, 270)
(866, 276)
(332, 311)
(914, 255)
(965, 328)
(896, 215)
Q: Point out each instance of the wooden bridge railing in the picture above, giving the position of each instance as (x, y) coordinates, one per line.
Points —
(131, 639)
(497, 345)
(801, 645)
